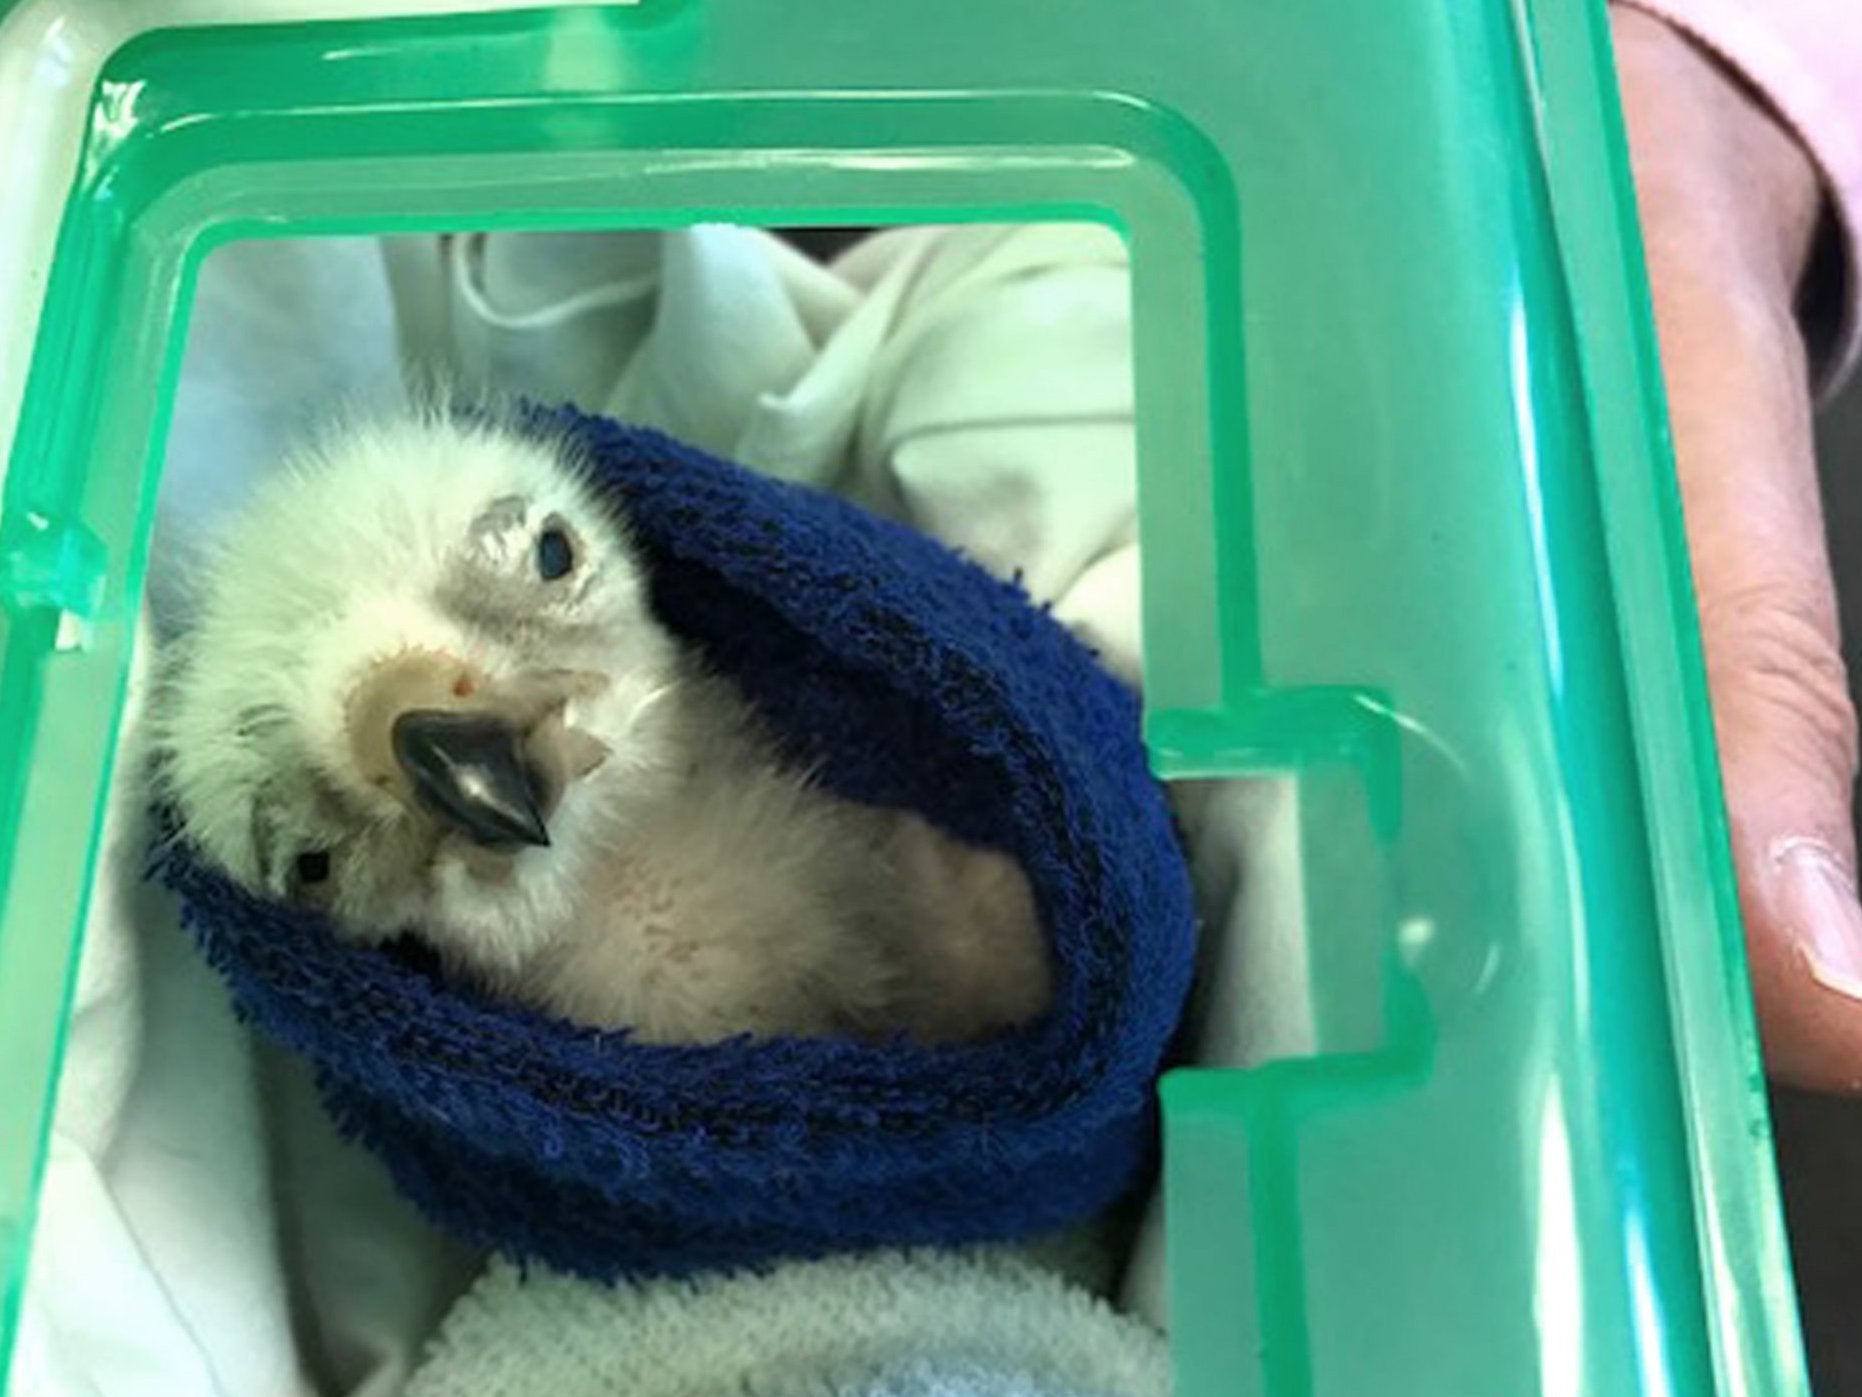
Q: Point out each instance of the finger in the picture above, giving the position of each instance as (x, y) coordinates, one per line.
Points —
(1727, 204)
(1787, 755)
(1786, 731)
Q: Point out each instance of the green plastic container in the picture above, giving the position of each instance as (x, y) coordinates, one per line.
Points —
(1410, 536)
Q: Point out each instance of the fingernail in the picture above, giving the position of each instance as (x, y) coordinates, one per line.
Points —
(1819, 903)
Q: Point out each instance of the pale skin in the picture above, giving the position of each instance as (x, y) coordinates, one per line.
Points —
(1731, 205)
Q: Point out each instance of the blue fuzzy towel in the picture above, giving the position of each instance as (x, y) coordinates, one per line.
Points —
(915, 678)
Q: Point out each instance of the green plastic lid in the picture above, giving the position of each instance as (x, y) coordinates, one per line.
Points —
(1410, 539)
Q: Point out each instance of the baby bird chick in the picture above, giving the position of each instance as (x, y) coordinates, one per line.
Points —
(424, 693)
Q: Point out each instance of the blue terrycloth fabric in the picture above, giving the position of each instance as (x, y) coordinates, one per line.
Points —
(916, 678)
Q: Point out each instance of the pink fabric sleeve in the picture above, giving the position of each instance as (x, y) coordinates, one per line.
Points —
(1806, 57)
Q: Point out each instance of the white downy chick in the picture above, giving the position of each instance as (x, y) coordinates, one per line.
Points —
(424, 692)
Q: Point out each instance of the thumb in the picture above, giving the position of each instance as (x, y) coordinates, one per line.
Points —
(1729, 204)
(1740, 405)
(1782, 716)
(1788, 757)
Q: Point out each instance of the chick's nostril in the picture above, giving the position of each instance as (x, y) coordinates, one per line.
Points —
(412, 680)
(470, 771)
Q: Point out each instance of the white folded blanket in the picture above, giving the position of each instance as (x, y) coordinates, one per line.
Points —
(988, 1323)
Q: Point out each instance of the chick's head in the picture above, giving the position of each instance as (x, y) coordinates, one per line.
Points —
(422, 683)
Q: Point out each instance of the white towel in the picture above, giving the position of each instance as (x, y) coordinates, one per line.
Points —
(989, 1323)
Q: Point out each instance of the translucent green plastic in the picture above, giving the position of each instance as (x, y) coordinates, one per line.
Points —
(1409, 536)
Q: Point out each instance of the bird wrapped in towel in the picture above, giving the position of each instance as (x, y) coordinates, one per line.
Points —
(426, 693)
(786, 883)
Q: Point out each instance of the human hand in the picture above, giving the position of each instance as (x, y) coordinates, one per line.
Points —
(1730, 206)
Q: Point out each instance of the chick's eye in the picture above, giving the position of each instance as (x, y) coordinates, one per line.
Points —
(555, 554)
(313, 867)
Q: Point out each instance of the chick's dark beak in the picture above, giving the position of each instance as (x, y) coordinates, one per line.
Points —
(469, 770)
